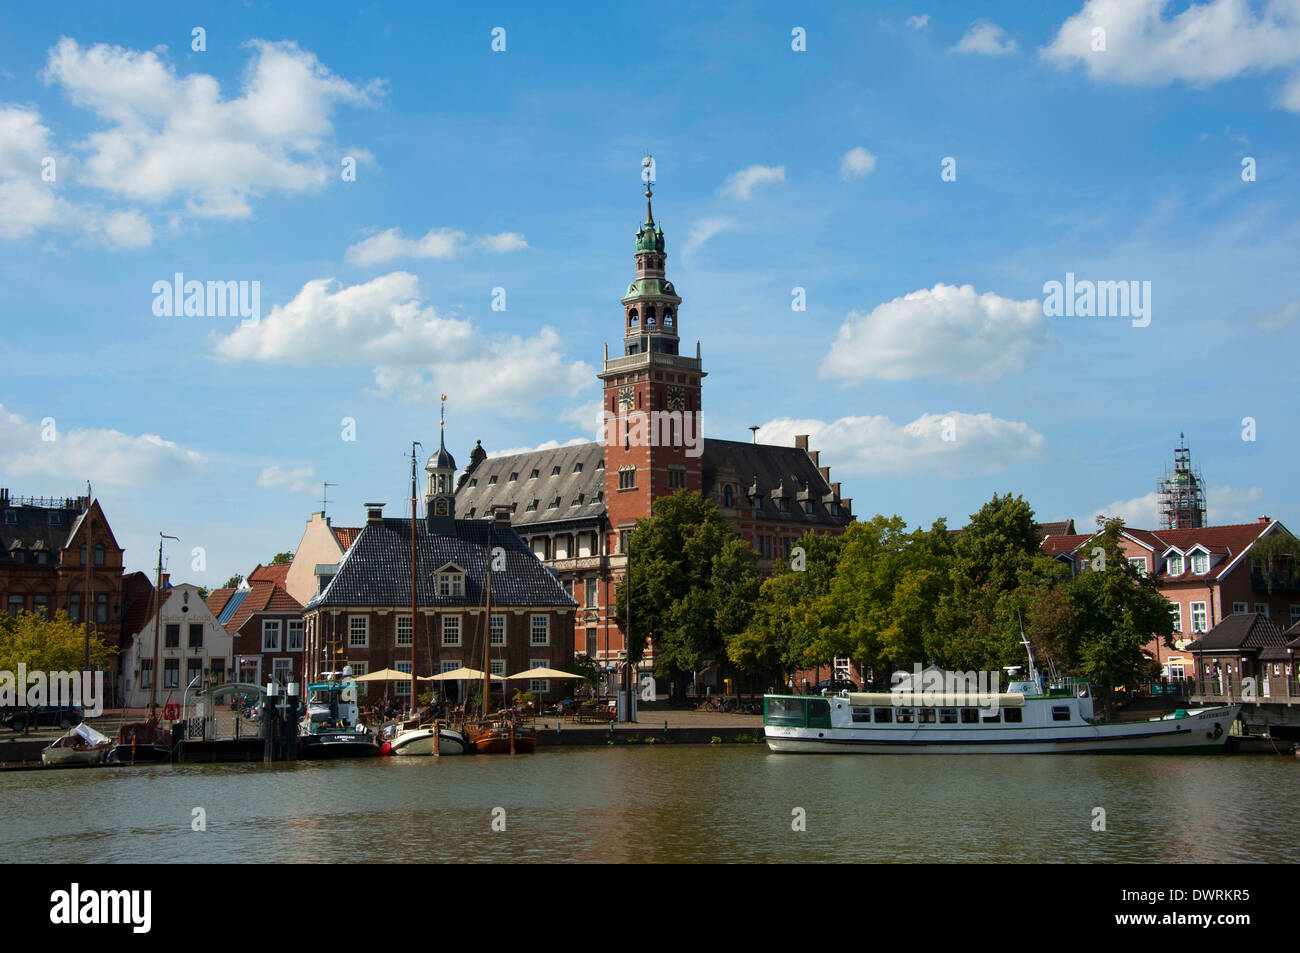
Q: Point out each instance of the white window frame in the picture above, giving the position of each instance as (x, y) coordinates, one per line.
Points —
(1204, 618)
(270, 626)
(1176, 610)
(282, 664)
(1139, 563)
(402, 688)
(450, 665)
(539, 686)
(397, 631)
(496, 666)
(1240, 607)
(291, 627)
(533, 629)
(1262, 609)
(447, 626)
(1295, 614)
(1175, 560)
(493, 639)
(451, 584)
(362, 630)
(1200, 563)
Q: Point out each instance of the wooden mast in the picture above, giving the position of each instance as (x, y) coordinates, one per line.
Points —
(487, 632)
(415, 704)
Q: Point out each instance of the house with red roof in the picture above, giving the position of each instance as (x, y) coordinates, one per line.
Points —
(323, 546)
(265, 626)
(1205, 572)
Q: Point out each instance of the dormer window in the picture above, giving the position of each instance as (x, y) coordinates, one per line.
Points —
(555, 503)
(56, 517)
(514, 476)
(1200, 563)
(808, 507)
(531, 506)
(451, 581)
(473, 482)
(577, 468)
(728, 497)
(1174, 564)
(533, 475)
(555, 470)
(756, 502)
(492, 480)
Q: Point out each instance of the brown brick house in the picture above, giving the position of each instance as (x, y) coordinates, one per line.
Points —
(266, 626)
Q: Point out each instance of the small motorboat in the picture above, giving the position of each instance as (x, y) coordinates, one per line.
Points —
(331, 728)
(142, 742)
(82, 745)
(432, 738)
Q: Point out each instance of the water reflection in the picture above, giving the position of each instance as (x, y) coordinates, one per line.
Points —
(662, 804)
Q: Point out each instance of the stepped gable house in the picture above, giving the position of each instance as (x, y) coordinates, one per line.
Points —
(363, 611)
(575, 505)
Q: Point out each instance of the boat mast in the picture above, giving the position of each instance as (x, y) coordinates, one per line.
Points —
(415, 704)
(487, 632)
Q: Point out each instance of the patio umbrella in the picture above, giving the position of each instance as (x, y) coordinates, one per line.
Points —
(543, 673)
(461, 674)
(385, 675)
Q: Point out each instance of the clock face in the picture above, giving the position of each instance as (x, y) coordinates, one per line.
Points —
(626, 397)
(676, 398)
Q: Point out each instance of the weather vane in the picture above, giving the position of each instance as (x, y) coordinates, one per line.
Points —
(442, 414)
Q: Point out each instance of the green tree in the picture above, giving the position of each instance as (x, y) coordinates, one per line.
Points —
(48, 645)
(1117, 613)
(233, 582)
(279, 559)
(692, 581)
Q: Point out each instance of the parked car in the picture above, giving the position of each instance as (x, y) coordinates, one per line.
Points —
(829, 686)
(50, 716)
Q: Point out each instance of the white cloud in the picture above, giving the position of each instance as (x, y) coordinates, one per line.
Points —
(703, 230)
(919, 23)
(741, 184)
(1204, 43)
(985, 38)
(1223, 504)
(589, 417)
(856, 163)
(177, 136)
(944, 331)
(1277, 320)
(547, 445)
(437, 243)
(300, 480)
(953, 445)
(415, 352)
(103, 456)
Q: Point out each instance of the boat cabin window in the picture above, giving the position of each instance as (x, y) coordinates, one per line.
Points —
(884, 716)
(925, 716)
(819, 713)
(784, 711)
(990, 719)
(862, 714)
(1060, 713)
(947, 716)
(906, 716)
(970, 716)
(1012, 716)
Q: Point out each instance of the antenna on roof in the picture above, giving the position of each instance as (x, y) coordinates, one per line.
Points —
(324, 496)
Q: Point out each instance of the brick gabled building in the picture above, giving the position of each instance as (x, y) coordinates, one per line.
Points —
(362, 614)
(576, 505)
(266, 628)
(1206, 573)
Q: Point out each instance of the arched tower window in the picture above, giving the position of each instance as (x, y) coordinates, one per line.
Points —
(632, 318)
(650, 316)
(728, 497)
(668, 319)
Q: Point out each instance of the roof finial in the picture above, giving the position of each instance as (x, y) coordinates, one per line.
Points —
(648, 177)
(442, 417)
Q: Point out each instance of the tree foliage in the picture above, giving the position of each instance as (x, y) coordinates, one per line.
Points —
(49, 645)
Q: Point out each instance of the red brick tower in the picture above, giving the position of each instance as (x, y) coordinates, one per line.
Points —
(652, 435)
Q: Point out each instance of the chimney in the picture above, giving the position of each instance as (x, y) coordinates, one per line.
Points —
(816, 457)
(4, 496)
(1265, 519)
(501, 514)
(374, 513)
(166, 580)
(801, 442)
(835, 488)
(826, 473)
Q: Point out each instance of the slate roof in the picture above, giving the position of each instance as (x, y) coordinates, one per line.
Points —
(137, 598)
(489, 483)
(33, 531)
(769, 466)
(377, 569)
(1241, 630)
(478, 494)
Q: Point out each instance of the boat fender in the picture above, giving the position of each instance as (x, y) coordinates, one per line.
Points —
(386, 748)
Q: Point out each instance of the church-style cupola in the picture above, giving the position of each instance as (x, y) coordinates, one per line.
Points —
(650, 305)
(440, 497)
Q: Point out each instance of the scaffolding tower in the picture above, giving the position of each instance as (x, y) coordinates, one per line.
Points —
(1181, 494)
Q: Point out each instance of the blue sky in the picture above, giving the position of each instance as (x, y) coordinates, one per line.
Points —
(777, 169)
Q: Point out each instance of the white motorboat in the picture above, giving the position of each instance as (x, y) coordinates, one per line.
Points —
(82, 745)
(428, 739)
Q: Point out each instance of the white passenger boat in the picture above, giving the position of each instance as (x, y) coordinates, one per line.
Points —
(82, 745)
(1026, 719)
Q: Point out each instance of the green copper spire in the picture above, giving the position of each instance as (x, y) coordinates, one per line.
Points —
(649, 237)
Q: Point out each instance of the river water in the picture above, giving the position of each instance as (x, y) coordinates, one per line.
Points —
(673, 804)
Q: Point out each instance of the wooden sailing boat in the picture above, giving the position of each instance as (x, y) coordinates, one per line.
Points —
(505, 732)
